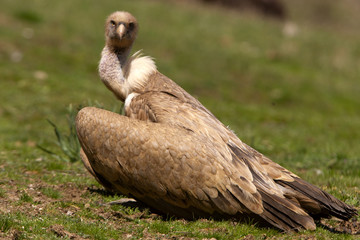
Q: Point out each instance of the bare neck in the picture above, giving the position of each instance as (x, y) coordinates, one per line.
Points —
(112, 69)
(122, 54)
(123, 74)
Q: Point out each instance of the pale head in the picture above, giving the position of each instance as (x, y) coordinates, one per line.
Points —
(120, 30)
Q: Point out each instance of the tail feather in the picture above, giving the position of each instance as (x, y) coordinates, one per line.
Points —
(281, 213)
(309, 196)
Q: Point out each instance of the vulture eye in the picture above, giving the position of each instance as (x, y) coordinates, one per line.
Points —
(112, 23)
(131, 26)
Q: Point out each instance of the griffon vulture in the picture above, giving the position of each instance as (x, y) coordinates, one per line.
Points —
(174, 155)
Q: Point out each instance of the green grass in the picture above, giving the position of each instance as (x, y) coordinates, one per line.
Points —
(6, 223)
(51, 193)
(25, 198)
(295, 99)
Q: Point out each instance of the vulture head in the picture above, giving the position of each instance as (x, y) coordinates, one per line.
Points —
(120, 30)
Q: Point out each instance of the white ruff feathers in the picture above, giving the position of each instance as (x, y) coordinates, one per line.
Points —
(137, 71)
(128, 100)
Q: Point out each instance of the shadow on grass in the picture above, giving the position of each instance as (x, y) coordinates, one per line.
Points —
(146, 211)
(351, 226)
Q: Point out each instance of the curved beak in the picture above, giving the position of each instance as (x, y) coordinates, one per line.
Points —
(121, 30)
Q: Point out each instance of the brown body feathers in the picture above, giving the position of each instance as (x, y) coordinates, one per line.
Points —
(173, 154)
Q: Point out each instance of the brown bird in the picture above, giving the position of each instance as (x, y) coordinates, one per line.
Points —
(173, 154)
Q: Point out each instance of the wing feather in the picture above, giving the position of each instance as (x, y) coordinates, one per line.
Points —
(244, 167)
(173, 154)
(189, 177)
